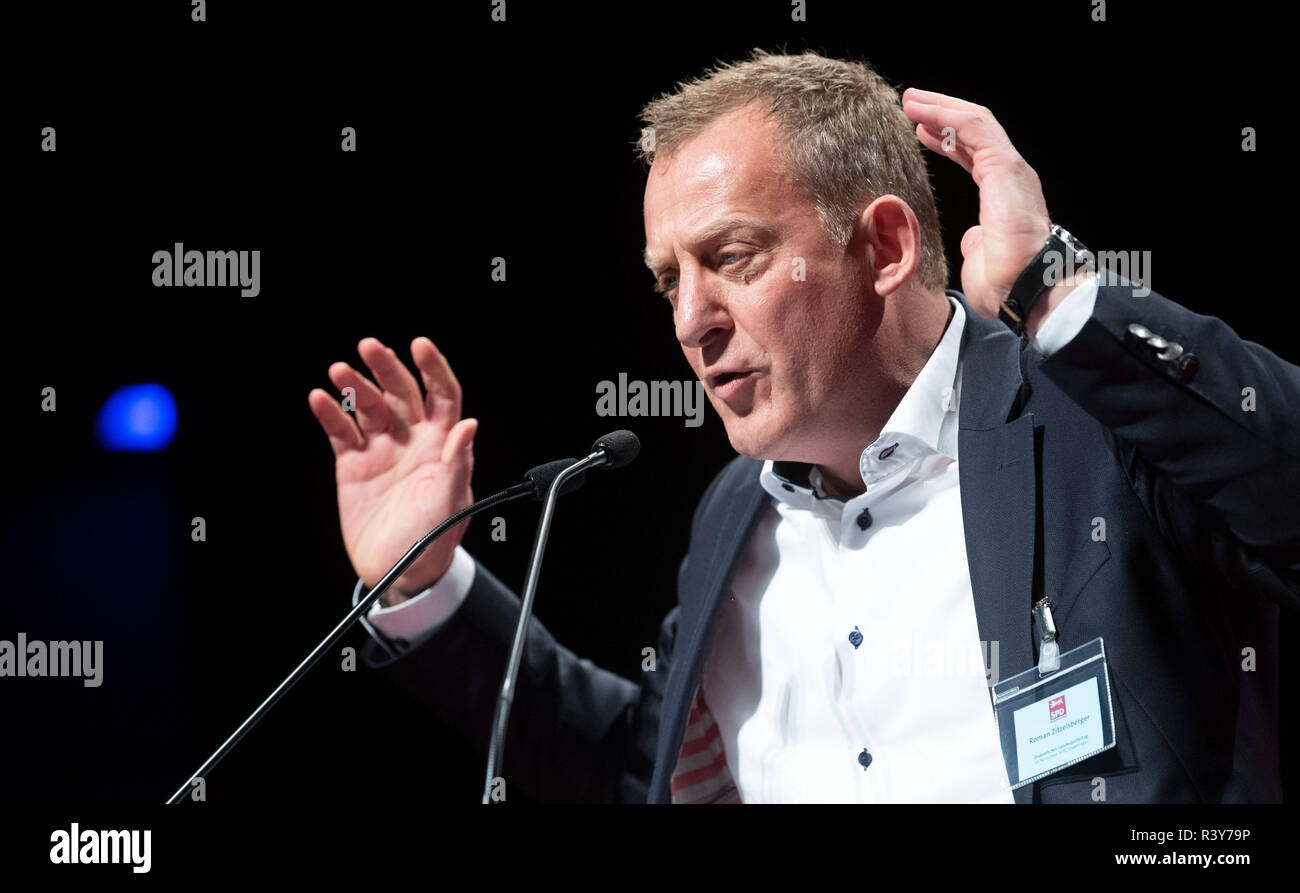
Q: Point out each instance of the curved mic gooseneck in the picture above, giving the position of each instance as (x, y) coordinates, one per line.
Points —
(614, 450)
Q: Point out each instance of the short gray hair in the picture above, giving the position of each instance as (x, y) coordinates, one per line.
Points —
(847, 141)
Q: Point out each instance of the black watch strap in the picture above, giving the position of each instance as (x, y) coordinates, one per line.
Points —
(1059, 249)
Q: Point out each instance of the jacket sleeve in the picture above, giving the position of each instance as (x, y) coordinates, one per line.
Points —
(1193, 407)
(575, 729)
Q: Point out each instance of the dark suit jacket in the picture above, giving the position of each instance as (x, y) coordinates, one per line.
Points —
(1201, 502)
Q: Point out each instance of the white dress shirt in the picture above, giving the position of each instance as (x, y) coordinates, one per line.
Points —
(847, 665)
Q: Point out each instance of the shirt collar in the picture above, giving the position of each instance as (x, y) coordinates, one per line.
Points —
(928, 411)
(922, 427)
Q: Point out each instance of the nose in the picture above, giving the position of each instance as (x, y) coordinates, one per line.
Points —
(701, 313)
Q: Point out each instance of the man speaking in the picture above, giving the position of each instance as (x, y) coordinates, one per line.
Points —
(1050, 473)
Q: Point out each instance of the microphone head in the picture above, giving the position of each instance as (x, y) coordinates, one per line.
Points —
(542, 476)
(620, 447)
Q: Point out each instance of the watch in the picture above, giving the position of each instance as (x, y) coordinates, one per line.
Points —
(1062, 250)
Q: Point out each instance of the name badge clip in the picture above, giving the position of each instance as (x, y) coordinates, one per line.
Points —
(1049, 653)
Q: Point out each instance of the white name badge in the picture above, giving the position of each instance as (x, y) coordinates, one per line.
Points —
(1047, 723)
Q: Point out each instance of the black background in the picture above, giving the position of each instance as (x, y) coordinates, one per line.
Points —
(475, 140)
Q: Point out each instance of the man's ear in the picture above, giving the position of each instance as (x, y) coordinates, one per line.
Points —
(890, 237)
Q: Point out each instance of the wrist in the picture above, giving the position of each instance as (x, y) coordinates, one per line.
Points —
(1060, 266)
(392, 597)
(404, 589)
(1052, 298)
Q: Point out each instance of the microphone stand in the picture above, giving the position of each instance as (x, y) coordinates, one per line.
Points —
(511, 493)
(501, 718)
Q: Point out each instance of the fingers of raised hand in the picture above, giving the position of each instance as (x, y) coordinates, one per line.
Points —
(373, 413)
(460, 441)
(342, 431)
(443, 399)
(946, 145)
(393, 404)
(973, 125)
(401, 392)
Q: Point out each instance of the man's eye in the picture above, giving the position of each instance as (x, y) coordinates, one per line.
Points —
(726, 254)
(667, 284)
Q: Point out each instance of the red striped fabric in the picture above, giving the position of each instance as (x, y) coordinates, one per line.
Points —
(701, 774)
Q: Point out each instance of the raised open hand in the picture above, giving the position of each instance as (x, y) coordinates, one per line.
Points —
(1014, 221)
(403, 466)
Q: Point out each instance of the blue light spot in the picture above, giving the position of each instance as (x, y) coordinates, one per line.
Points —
(137, 418)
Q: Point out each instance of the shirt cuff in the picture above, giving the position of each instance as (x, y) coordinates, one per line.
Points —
(1068, 319)
(419, 617)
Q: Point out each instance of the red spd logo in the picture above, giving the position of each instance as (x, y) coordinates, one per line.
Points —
(1056, 707)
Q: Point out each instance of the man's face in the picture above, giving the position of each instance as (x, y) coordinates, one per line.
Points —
(772, 315)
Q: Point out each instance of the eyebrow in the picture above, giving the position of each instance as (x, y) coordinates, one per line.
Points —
(710, 233)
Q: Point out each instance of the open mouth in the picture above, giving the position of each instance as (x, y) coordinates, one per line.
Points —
(724, 384)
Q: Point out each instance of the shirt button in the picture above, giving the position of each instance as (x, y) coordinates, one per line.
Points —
(855, 637)
(864, 519)
(864, 759)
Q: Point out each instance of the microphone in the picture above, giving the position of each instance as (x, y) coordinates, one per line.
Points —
(619, 448)
(543, 482)
(540, 478)
(614, 450)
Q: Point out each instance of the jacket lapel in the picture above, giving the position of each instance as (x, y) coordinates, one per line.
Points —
(742, 506)
(1000, 501)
